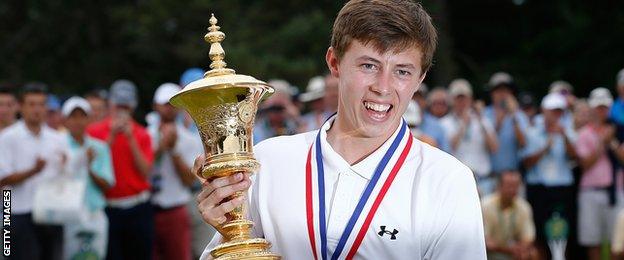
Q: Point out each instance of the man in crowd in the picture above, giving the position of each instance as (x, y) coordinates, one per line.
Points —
(8, 108)
(438, 102)
(596, 148)
(430, 125)
(88, 160)
(508, 220)
(31, 153)
(131, 228)
(380, 52)
(472, 137)
(277, 115)
(54, 119)
(509, 122)
(98, 101)
(315, 98)
(175, 149)
(617, 110)
(549, 178)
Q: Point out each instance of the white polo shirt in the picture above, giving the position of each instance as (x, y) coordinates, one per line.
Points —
(472, 149)
(171, 192)
(432, 207)
(19, 150)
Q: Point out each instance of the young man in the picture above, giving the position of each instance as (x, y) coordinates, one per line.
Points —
(549, 178)
(471, 136)
(89, 160)
(8, 108)
(597, 147)
(508, 220)
(428, 209)
(175, 149)
(131, 228)
(31, 153)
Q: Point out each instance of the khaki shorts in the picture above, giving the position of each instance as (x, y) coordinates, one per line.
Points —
(596, 219)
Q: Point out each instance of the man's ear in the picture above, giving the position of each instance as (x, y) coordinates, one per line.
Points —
(332, 61)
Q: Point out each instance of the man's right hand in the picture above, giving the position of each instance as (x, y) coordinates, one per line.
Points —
(39, 165)
(212, 201)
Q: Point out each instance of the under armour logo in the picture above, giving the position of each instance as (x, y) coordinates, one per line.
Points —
(384, 231)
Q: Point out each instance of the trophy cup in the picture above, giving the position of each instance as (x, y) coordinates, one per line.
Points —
(223, 105)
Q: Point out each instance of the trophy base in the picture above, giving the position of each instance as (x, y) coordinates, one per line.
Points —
(254, 248)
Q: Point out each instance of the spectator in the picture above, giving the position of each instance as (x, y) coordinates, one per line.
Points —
(89, 160)
(472, 138)
(31, 153)
(129, 212)
(430, 125)
(509, 121)
(508, 220)
(582, 114)
(8, 108)
(564, 89)
(97, 99)
(54, 117)
(314, 97)
(617, 110)
(596, 147)
(549, 179)
(413, 118)
(438, 102)
(527, 104)
(277, 115)
(175, 149)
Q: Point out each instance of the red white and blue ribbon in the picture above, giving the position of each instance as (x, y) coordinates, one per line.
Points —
(361, 203)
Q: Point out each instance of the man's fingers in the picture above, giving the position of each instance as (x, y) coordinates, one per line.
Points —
(227, 180)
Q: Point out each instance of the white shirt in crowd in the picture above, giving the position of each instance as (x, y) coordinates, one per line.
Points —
(171, 191)
(472, 149)
(432, 203)
(19, 150)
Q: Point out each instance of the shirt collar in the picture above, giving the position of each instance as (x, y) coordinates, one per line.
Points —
(366, 167)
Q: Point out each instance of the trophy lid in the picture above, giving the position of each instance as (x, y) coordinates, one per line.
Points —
(218, 76)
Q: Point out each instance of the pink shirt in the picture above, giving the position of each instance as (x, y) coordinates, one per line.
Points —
(599, 175)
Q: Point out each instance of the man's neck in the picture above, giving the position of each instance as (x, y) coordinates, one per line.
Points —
(79, 138)
(33, 127)
(505, 203)
(349, 144)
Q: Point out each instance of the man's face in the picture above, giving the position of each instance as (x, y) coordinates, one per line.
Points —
(167, 112)
(509, 186)
(551, 116)
(438, 105)
(602, 113)
(374, 88)
(33, 108)
(461, 103)
(76, 122)
(99, 109)
(500, 94)
(8, 107)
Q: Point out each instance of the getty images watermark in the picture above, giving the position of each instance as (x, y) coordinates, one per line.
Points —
(6, 222)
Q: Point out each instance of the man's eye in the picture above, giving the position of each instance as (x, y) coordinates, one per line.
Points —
(368, 66)
(404, 73)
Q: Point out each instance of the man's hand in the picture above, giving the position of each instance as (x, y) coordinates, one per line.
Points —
(39, 165)
(212, 201)
(169, 136)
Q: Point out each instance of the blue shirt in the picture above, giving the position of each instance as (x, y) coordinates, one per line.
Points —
(617, 115)
(101, 166)
(506, 157)
(552, 169)
(432, 127)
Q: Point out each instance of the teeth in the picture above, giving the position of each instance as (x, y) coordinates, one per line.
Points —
(377, 107)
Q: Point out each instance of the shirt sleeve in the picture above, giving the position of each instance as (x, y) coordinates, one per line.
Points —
(584, 145)
(527, 226)
(5, 157)
(532, 145)
(461, 222)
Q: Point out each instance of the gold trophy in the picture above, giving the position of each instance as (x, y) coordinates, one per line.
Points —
(223, 104)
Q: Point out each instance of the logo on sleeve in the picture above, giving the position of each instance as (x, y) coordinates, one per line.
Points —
(384, 231)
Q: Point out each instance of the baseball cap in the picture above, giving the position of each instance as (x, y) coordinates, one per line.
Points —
(560, 86)
(600, 97)
(53, 103)
(190, 75)
(281, 85)
(164, 92)
(74, 103)
(620, 78)
(123, 92)
(315, 89)
(499, 79)
(554, 101)
(460, 87)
